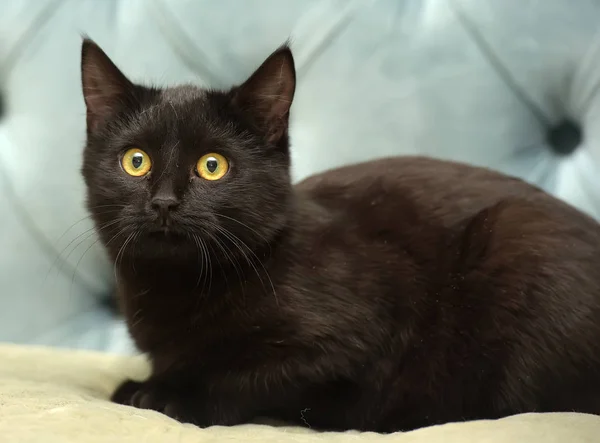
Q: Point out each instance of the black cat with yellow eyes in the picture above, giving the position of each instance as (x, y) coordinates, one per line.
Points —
(382, 296)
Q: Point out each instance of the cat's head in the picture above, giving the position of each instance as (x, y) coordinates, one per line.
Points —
(168, 166)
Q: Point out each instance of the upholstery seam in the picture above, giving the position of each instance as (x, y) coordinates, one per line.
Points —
(326, 37)
(177, 39)
(593, 49)
(25, 38)
(488, 52)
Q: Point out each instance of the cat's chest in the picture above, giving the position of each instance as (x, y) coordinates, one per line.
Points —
(177, 318)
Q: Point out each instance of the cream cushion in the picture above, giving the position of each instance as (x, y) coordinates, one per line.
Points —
(50, 396)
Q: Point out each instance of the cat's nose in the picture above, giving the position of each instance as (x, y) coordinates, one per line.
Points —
(164, 204)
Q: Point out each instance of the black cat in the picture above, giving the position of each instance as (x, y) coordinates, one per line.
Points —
(383, 296)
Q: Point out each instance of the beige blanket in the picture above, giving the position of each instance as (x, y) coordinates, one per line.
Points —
(53, 396)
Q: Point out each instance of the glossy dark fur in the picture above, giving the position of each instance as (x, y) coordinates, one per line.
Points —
(383, 296)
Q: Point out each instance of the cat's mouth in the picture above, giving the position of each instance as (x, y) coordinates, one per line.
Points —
(166, 232)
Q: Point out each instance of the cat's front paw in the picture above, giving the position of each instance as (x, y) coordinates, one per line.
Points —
(125, 392)
(155, 396)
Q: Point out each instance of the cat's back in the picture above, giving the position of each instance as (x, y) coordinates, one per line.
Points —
(466, 249)
(411, 188)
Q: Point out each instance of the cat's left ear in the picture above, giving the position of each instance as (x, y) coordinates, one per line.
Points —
(105, 87)
(267, 95)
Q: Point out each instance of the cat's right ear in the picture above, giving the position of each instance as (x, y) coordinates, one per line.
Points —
(105, 87)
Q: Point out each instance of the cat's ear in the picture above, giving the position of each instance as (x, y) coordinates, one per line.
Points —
(105, 87)
(267, 95)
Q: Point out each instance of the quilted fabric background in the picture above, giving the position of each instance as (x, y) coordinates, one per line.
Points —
(511, 84)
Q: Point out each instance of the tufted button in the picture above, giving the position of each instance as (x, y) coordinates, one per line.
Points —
(564, 137)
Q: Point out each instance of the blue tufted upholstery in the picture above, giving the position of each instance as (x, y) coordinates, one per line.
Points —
(511, 84)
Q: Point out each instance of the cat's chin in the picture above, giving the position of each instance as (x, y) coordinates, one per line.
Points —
(164, 243)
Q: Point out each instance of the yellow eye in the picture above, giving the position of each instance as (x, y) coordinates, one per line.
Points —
(136, 162)
(212, 166)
